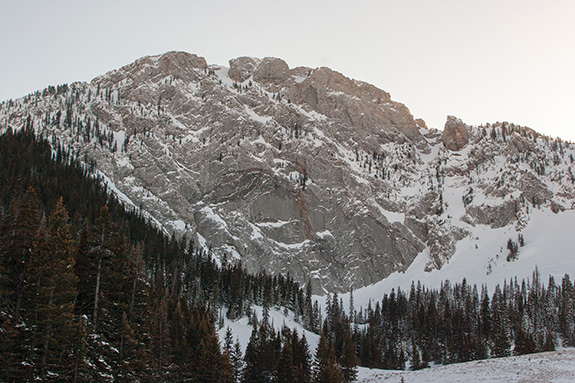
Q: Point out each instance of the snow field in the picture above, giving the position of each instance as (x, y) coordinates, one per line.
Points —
(556, 367)
(481, 258)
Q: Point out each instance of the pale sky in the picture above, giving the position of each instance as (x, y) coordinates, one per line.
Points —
(481, 60)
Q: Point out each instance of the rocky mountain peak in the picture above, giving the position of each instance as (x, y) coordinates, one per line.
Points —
(455, 134)
(271, 70)
(296, 170)
(150, 68)
(242, 68)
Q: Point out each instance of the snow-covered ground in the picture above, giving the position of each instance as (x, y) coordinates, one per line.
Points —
(242, 330)
(481, 258)
(556, 367)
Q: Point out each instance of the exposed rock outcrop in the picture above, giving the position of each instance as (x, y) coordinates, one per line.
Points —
(455, 134)
(242, 68)
(355, 103)
(271, 70)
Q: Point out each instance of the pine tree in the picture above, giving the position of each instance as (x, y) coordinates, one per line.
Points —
(126, 370)
(301, 358)
(80, 370)
(51, 293)
(308, 309)
(567, 311)
(485, 315)
(348, 360)
(158, 330)
(285, 371)
(254, 371)
(21, 227)
(500, 333)
(83, 269)
(524, 343)
(9, 352)
(415, 357)
(326, 369)
(229, 353)
(206, 362)
(228, 341)
(107, 284)
(316, 318)
(237, 361)
(19, 232)
(549, 344)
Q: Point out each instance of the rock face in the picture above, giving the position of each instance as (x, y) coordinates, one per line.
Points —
(271, 70)
(455, 134)
(242, 68)
(355, 103)
(295, 170)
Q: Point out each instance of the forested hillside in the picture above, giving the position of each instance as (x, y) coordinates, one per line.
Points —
(91, 292)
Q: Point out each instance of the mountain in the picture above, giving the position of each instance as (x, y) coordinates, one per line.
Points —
(301, 171)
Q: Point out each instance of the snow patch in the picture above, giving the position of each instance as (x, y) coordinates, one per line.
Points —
(324, 234)
(275, 224)
(242, 329)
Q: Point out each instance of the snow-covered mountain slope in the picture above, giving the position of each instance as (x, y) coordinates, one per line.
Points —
(306, 171)
(545, 367)
(242, 329)
(481, 257)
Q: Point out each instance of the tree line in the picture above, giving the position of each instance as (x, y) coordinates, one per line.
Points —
(460, 323)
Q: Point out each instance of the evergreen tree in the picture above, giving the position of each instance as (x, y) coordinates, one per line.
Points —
(254, 371)
(415, 357)
(51, 293)
(524, 343)
(128, 369)
(231, 357)
(500, 334)
(326, 369)
(19, 232)
(21, 227)
(237, 361)
(80, 369)
(158, 330)
(10, 353)
(308, 309)
(348, 360)
(301, 358)
(567, 311)
(549, 343)
(82, 269)
(285, 371)
(107, 285)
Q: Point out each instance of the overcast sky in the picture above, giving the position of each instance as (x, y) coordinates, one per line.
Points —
(480, 60)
